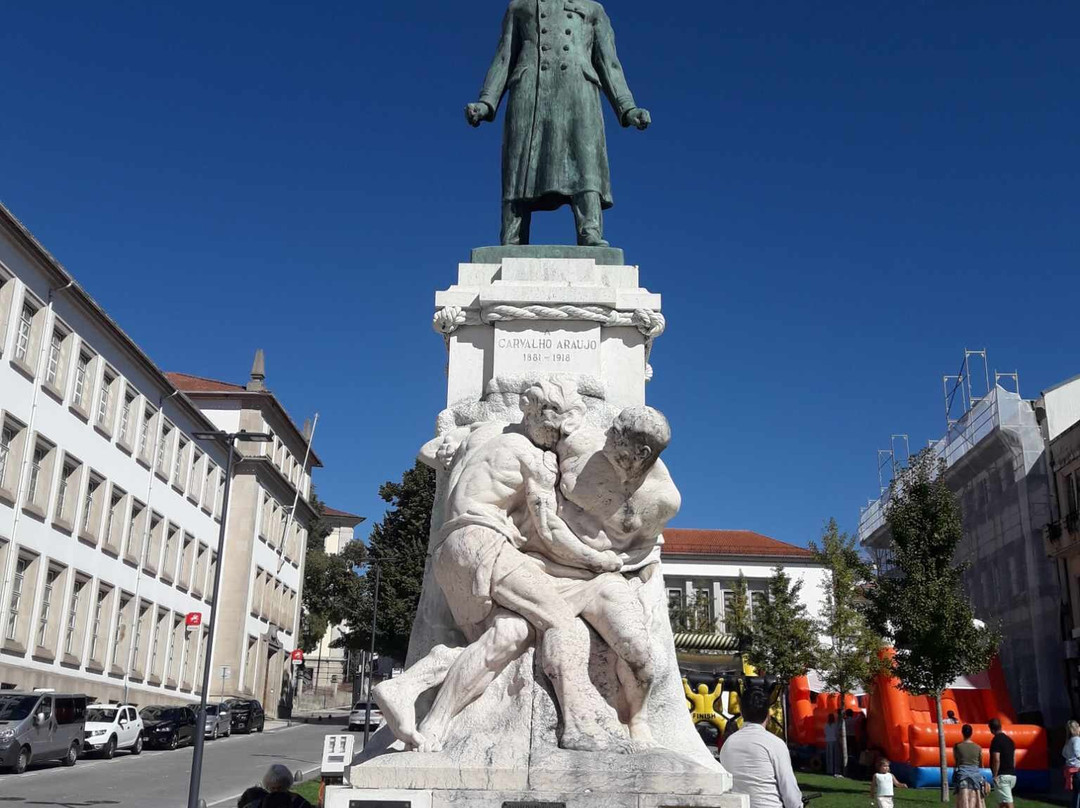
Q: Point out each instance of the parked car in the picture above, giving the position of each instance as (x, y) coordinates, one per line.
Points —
(40, 726)
(218, 721)
(167, 726)
(112, 726)
(247, 715)
(359, 714)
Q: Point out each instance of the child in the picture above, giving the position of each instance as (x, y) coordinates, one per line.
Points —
(881, 786)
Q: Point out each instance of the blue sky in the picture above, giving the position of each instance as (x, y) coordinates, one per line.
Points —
(835, 199)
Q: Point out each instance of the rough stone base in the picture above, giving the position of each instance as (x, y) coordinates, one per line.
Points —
(346, 797)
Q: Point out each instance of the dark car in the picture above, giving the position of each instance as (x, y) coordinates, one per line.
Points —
(247, 715)
(167, 726)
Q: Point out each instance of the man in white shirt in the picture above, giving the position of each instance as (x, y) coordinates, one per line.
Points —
(758, 761)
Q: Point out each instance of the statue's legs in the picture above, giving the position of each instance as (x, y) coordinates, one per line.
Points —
(619, 618)
(476, 667)
(516, 222)
(589, 219)
(397, 697)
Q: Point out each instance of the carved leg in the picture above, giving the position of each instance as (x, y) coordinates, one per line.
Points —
(618, 617)
(397, 697)
(589, 219)
(516, 223)
(476, 667)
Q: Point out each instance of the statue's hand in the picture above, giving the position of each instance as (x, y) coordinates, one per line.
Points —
(476, 113)
(638, 117)
(606, 561)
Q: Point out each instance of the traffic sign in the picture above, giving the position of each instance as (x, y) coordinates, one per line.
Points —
(193, 619)
(297, 656)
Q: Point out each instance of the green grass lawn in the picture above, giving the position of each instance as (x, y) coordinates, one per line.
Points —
(309, 790)
(844, 793)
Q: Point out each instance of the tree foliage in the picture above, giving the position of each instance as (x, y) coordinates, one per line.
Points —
(921, 607)
(398, 545)
(784, 639)
(850, 657)
(330, 581)
(737, 618)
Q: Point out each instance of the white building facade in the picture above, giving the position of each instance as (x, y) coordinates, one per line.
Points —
(109, 509)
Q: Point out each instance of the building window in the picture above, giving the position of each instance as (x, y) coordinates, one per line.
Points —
(46, 606)
(208, 486)
(187, 559)
(37, 487)
(114, 534)
(53, 365)
(178, 466)
(153, 550)
(103, 416)
(122, 620)
(176, 638)
(136, 528)
(73, 616)
(160, 624)
(219, 495)
(757, 602)
(68, 492)
(144, 435)
(23, 335)
(211, 577)
(144, 610)
(7, 452)
(193, 474)
(91, 515)
(161, 462)
(126, 414)
(81, 391)
(96, 628)
(15, 601)
(168, 564)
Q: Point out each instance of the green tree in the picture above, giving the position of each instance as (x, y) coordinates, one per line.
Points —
(850, 657)
(330, 581)
(398, 545)
(921, 607)
(784, 640)
(737, 617)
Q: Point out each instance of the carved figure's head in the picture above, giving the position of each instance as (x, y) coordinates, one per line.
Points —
(635, 440)
(551, 409)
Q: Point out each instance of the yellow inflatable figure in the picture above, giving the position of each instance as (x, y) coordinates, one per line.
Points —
(775, 721)
(702, 704)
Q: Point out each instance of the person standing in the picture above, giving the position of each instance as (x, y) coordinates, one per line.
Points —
(968, 777)
(882, 784)
(1071, 753)
(832, 744)
(1002, 764)
(759, 762)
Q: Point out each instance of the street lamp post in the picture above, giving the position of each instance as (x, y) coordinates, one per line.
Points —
(229, 439)
(371, 657)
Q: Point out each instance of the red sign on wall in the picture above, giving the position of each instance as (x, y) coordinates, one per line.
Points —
(193, 619)
(297, 655)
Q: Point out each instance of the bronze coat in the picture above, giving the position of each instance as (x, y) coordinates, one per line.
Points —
(553, 59)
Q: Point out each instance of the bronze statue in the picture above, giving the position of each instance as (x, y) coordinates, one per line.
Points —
(553, 59)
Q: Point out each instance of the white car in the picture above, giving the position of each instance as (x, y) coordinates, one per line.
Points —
(359, 715)
(112, 726)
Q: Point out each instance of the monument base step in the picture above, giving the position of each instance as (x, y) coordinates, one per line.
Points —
(604, 256)
(348, 797)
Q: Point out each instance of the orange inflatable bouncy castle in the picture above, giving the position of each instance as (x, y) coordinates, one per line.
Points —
(904, 728)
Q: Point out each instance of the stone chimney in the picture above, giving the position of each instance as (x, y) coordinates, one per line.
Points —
(257, 382)
(307, 429)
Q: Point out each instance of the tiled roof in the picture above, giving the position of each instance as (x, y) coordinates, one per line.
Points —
(681, 541)
(187, 383)
(336, 514)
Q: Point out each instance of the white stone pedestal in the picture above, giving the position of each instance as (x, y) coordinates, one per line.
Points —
(535, 315)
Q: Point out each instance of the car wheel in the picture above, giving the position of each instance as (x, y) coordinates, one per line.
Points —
(109, 749)
(72, 756)
(137, 748)
(262, 724)
(213, 735)
(173, 742)
(353, 728)
(22, 761)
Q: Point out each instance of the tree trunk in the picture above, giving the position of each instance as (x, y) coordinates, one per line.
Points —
(843, 738)
(784, 710)
(941, 750)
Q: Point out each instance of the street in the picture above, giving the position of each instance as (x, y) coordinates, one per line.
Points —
(160, 778)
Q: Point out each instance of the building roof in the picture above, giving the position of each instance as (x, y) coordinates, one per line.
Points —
(342, 516)
(683, 541)
(198, 384)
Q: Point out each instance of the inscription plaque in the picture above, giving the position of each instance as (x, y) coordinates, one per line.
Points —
(527, 346)
(379, 804)
(533, 804)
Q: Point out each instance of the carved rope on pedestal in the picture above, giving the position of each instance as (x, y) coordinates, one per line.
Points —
(650, 323)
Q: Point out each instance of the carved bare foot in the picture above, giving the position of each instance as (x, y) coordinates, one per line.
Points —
(586, 735)
(428, 743)
(398, 704)
(640, 733)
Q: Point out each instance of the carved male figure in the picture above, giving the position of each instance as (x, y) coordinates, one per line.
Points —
(502, 474)
(553, 60)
